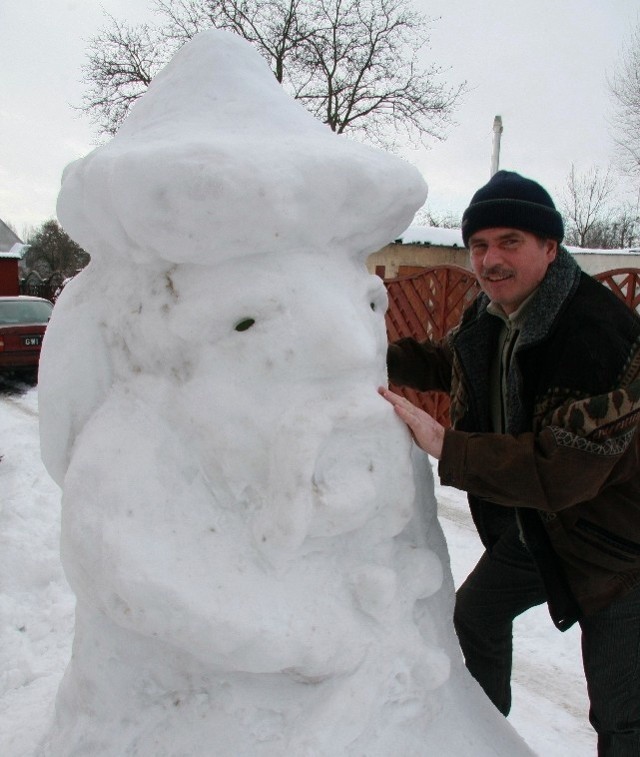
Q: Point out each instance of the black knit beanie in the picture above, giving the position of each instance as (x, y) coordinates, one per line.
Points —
(514, 202)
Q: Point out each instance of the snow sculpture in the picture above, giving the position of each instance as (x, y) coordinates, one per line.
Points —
(253, 576)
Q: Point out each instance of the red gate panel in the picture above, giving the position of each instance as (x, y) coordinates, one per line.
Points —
(625, 284)
(427, 305)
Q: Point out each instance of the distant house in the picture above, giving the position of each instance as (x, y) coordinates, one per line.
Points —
(422, 247)
(12, 250)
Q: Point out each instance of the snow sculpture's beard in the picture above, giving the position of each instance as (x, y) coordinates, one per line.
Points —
(355, 479)
(337, 477)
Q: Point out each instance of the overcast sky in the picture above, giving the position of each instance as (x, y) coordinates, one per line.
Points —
(540, 64)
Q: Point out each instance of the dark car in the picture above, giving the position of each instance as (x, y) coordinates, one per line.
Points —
(23, 321)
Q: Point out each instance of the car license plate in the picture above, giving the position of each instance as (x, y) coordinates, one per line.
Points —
(31, 341)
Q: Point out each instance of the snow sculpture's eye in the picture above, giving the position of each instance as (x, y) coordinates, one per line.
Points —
(244, 324)
(372, 305)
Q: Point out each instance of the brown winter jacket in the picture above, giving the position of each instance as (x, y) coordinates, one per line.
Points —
(569, 461)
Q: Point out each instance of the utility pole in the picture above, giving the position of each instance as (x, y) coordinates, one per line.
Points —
(495, 155)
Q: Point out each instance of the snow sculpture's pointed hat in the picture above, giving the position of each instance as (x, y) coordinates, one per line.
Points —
(216, 161)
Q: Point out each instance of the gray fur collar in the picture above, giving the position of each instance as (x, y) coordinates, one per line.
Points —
(475, 341)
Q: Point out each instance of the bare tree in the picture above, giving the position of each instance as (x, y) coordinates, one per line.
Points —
(584, 204)
(428, 217)
(625, 228)
(277, 28)
(122, 60)
(619, 231)
(353, 63)
(359, 70)
(625, 89)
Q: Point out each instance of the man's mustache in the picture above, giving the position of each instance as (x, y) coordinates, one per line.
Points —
(496, 271)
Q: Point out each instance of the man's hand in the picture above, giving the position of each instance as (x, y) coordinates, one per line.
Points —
(427, 432)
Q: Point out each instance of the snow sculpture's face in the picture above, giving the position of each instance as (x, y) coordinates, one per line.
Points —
(281, 400)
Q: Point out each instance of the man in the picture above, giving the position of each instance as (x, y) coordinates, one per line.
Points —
(544, 376)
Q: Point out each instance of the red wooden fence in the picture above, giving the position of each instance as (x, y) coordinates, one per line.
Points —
(625, 283)
(426, 305)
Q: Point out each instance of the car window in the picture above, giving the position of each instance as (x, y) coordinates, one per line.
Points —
(16, 312)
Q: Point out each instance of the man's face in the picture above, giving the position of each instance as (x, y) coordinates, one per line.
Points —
(510, 264)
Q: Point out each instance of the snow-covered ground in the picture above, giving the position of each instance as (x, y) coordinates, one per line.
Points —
(36, 608)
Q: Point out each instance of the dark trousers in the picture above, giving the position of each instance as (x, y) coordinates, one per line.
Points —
(503, 585)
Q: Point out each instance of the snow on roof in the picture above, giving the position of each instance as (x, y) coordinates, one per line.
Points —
(589, 251)
(431, 235)
(436, 236)
(16, 252)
